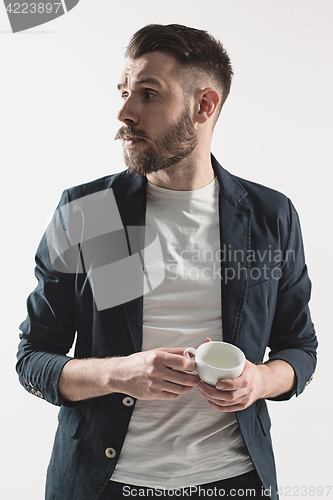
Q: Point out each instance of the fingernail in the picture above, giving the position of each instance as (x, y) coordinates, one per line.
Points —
(201, 387)
(220, 386)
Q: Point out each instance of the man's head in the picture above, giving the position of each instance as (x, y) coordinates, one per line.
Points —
(174, 84)
(198, 53)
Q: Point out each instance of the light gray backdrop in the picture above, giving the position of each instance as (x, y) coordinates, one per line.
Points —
(58, 103)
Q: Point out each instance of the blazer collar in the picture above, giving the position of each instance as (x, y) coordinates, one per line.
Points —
(229, 186)
(127, 184)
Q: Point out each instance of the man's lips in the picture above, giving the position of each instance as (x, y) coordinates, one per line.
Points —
(131, 140)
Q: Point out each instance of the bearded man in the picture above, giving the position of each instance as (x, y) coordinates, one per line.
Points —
(135, 418)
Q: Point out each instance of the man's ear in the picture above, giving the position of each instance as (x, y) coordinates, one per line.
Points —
(208, 100)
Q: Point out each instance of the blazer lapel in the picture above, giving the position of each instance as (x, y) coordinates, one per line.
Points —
(130, 194)
(235, 237)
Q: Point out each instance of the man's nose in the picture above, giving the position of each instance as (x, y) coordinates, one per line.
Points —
(128, 113)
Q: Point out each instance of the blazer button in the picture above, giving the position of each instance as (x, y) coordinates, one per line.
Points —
(110, 452)
(128, 401)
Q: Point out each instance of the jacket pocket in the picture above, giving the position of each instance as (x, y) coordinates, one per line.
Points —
(69, 419)
(263, 416)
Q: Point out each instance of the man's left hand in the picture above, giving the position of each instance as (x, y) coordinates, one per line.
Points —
(237, 394)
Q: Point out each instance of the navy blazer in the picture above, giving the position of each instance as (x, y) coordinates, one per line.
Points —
(261, 308)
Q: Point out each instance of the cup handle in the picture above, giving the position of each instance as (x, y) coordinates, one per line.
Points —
(187, 355)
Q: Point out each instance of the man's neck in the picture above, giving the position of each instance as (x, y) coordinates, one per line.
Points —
(187, 175)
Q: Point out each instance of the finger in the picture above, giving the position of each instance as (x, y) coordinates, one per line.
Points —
(173, 388)
(212, 392)
(240, 382)
(167, 396)
(180, 363)
(164, 395)
(181, 378)
(232, 384)
(221, 402)
(227, 409)
(172, 350)
(216, 395)
(172, 367)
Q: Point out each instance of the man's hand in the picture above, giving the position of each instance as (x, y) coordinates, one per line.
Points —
(155, 374)
(256, 382)
(238, 393)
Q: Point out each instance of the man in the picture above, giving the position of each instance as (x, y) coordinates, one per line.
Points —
(231, 257)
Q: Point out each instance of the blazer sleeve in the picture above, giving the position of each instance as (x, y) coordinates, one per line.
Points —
(293, 337)
(48, 332)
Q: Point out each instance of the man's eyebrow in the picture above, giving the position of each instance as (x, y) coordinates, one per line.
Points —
(140, 81)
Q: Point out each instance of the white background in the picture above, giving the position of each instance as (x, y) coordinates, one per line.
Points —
(58, 105)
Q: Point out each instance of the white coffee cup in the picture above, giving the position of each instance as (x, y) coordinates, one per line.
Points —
(216, 361)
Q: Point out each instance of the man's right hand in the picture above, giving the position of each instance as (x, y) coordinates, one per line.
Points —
(154, 374)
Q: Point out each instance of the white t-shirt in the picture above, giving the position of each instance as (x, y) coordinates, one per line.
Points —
(179, 443)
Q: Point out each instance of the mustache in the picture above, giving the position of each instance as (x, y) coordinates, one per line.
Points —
(131, 132)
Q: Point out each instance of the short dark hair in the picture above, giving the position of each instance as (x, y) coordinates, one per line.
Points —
(192, 47)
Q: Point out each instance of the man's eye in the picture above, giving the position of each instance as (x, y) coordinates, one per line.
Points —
(149, 95)
(124, 95)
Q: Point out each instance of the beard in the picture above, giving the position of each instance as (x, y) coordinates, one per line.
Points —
(175, 144)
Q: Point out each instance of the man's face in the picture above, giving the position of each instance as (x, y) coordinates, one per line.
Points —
(158, 131)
